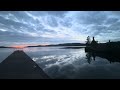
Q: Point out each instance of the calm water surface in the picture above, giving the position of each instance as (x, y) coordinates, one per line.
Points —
(69, 63)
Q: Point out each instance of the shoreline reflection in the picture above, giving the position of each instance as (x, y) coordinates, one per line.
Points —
(90, 56)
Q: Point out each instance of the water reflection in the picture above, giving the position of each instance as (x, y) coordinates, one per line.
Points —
(110, 57)
(72, 63)
(5, 52)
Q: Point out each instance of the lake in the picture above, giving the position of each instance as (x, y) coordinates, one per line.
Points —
(61, 63)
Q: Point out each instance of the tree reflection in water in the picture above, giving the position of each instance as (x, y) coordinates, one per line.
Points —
(110, 57)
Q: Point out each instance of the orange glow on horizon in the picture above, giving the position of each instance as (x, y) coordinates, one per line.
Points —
(23, 46)
(18, 47)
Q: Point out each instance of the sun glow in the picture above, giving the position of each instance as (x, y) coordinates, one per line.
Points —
(19, 47)
(24, 46)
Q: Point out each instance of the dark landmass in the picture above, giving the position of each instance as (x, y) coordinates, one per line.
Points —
(20, 66)
(109, 50)
(53, 45)
(73, 47)
(72, 44)
(64, 44)
(109, 47)
(5, 47)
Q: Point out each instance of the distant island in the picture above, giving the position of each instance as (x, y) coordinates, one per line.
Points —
(51, 45)
(5, 47)
(64, 44)
(89, 45)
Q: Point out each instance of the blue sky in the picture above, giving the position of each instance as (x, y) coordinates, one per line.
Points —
(52, 27)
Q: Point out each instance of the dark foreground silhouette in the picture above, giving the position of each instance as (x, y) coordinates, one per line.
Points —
(20, 66)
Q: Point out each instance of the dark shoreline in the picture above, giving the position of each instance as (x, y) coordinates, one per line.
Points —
(73, 47)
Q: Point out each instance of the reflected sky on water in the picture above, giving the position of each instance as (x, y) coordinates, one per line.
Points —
(69, 63)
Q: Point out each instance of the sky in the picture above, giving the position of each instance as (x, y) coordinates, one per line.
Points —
(53, 27)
